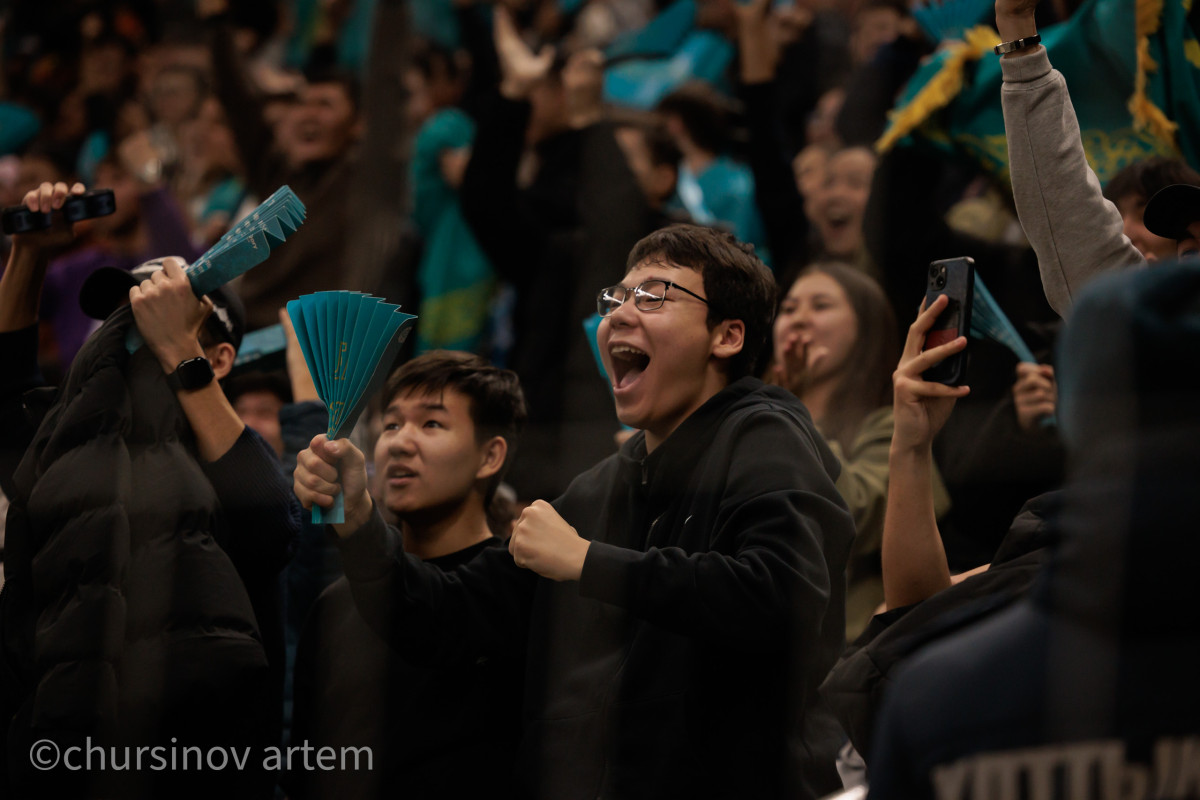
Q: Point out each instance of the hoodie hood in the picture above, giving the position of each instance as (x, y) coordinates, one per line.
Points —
(690, 439)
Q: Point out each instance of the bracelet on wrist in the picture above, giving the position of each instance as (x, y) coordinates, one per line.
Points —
(1017, 44)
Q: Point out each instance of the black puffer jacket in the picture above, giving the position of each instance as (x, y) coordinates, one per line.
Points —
(124, 621)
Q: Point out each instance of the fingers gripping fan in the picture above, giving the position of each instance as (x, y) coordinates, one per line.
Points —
(243, 246)
(349, 341)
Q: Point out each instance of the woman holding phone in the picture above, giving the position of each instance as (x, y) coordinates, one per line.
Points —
(835, 349)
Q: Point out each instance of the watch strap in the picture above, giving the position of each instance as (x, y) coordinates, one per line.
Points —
(1017, 44)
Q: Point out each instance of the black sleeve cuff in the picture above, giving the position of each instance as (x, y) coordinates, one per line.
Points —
(18, 359)
(608, 573)
(367, 554)
(248, 474)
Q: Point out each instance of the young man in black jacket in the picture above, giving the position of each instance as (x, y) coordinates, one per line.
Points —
(450, 424)
(684, 597)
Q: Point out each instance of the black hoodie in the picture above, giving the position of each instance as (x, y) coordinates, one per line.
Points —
(685, 661)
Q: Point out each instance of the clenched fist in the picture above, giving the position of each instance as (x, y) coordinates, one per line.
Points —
(543, 542)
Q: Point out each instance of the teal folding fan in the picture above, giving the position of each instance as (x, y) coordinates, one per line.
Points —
(349, 341)
(244, 245)
(988, 321)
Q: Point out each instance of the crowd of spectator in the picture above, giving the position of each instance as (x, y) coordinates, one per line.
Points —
(1015, 579)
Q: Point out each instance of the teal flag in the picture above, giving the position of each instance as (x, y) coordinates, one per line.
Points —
(660, 37)
(1132, 67)
(1176, 51)
(648, 64)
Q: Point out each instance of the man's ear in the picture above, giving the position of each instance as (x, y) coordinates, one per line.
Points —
(728, 338)
(221, 357)
(494, 451)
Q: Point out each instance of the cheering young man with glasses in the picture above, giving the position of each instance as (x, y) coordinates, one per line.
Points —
(681, 602)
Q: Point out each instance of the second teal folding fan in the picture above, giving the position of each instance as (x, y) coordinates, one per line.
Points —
(349, 341)
(244, 245)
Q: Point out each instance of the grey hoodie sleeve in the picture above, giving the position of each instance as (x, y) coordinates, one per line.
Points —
(1076, 233)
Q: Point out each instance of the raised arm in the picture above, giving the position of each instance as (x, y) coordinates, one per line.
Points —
(379, 193)
(166, 227)
(169, 316)
(20, 299)
(21, 284)
(1076, 233)
(914, 561)
(505, 227)
(613, 208)
(264, 518)
(241, 101)
(775, 191)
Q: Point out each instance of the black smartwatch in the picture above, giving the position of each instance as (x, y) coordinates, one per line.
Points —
(192, 374)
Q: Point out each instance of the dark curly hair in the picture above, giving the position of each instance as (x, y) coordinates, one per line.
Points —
(736, 281)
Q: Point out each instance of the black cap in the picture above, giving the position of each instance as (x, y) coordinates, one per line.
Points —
(107, 289)
(1172, 210)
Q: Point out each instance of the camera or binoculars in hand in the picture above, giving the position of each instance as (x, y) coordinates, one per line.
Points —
(97, 203)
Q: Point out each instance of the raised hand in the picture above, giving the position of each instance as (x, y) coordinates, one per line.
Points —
(758, 45)
(169, 315)
(792, 362)
(1015, 19)
(1035, 394)
(922, 407)
(327, 468)
(583, 85)
(49, 197)
(25, 272)
(142, 159)
(520, 69)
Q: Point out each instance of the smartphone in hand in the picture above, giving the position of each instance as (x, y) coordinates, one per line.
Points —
(955, 278)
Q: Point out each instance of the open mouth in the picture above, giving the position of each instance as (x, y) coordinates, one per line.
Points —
(628, 365)
(307, 132)
(838, 221)
(400, 474)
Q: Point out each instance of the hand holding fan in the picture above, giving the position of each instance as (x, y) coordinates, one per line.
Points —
(244, 245)
(988, 321)
(349, 341)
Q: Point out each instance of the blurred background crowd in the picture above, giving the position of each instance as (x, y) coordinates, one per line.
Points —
(488, 165)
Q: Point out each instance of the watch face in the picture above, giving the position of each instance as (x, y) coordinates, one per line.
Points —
(195, 373)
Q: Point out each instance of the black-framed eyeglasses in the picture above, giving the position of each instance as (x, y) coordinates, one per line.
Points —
(647, 296)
